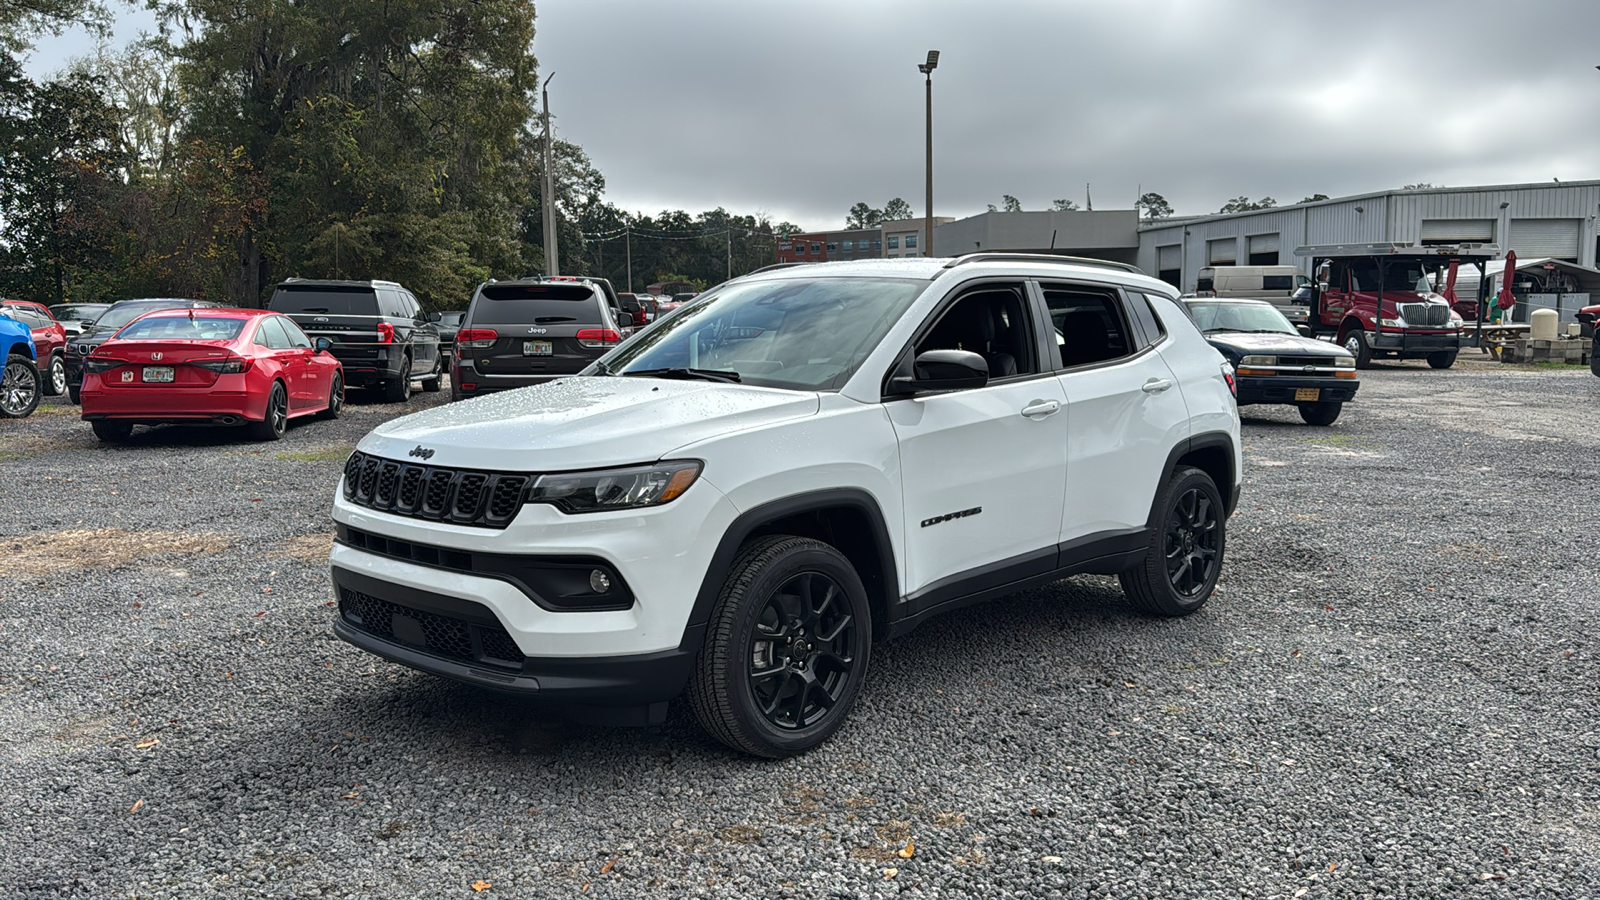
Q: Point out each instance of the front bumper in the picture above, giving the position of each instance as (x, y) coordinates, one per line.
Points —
(1281, 389)
(1410, 343)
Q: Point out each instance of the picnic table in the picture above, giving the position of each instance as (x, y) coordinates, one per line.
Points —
(1492, 337)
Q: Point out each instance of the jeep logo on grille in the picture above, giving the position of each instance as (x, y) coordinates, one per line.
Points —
(421, 452)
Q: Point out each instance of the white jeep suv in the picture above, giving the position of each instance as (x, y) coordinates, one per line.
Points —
(739, 500)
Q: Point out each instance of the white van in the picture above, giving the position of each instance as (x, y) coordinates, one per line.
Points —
(1275, 284)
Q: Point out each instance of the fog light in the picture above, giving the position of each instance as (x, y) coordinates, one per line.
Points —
(599, 581)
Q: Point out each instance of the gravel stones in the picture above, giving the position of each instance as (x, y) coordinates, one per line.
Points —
(1392, 695)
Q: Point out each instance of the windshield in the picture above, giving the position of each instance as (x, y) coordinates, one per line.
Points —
(801, 334)
(121, 314)
(183, 328)
(85, 312)
(1248, 317)
(1399, 275)
(451, 318)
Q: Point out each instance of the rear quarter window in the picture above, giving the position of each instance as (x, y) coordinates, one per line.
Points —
(325, 302)
(530, 304)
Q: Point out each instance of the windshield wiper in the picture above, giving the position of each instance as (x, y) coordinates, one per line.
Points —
(1234, 330)
(724, 375)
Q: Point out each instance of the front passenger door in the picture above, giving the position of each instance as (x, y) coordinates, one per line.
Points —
(983, 470)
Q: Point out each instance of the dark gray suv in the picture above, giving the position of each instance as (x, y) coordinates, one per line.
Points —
(518, 333)
(378, 331)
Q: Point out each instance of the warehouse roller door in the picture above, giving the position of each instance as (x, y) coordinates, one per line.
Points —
(1457, 231)
(1535, 238)
(1222, 252)
(1169, 264)
(1263, 249)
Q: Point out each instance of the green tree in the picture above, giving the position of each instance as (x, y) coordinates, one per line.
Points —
(1155, 206)
(1242, 203)
(863, 216)
(896, 210)
(1065, 206)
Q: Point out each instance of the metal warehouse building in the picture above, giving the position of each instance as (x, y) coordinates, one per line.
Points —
(1536, 220)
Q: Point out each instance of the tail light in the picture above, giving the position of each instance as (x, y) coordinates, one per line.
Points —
(98, 364)
(477, 338)
(385, 333)
(1227, 375)
(225, 365)
(594, 338)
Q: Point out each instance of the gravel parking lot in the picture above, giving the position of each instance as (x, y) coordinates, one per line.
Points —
(1393, 695)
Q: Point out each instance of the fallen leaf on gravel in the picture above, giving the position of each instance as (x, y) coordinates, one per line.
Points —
(260, 614)
(740, 834)
(906, 852)
(890, 873)
(137, 805)
(606, 869)
(480, 885)
(1490, 876)
(1301, 892)
(147, 743)
(350, 796)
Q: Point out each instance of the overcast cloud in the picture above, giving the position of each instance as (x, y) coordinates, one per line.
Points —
(801, 109)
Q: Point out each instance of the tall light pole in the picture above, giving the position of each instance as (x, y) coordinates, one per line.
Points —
(552, 263)
(927, 227)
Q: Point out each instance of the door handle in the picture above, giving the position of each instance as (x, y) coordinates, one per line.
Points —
(1041, 408)
(1156, 385)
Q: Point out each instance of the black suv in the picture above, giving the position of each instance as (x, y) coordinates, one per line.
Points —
(110, 322)
(532, 330)
(378, 330)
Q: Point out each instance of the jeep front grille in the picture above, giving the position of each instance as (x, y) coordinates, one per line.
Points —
(459, 496)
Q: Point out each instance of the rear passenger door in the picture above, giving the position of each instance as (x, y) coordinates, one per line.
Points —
(424, 334)
(1123, 402)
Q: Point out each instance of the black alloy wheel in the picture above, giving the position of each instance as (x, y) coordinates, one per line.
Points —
(1184, 557)
(276, 421)
(335, 399)
(55, 381)
(398, 390)
(786, 650)
(433, 381)
(20, 387)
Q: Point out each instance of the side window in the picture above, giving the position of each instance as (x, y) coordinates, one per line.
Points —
(1146, 317)
(413, 308)
(271, 328)
(388, 303)
(993, 322)
(1089, 325)
(297, 338)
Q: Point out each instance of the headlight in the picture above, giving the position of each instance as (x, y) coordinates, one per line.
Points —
(611, 489)
(1344, 362)
(1259, 361)
(1394, 323)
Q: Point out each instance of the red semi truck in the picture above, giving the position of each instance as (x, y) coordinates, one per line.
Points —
(1378, 300)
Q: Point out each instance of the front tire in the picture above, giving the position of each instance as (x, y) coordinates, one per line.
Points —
(1444, 359)
(1356, 342)
(55, 377)
(335, 399)
(276, 421)
(1185, 556)
(1324, 413)
(786, 651)
(75, 393)
(20, 386)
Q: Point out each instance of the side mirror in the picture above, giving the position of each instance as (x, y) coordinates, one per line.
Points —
(435, 317)
(323, 345)
(940, 370)
(1322, 287)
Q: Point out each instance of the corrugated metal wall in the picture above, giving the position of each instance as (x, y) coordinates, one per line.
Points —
(1384, 217)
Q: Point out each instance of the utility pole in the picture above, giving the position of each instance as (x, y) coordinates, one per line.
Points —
(627, 230)
(927, 227)
(552, 262)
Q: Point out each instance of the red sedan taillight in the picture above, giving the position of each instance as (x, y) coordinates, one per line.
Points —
(477, 338)
(595, 338)
(225, 365)
(98, 364)
(385, 333)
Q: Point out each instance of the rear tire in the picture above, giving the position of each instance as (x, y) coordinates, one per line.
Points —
(1444, 359)
(55, 377)
(276, 421)
(1323, 413)
(398, 390)
(20, 387)
(335, 399)
(434, 381)
(786, 649)
(1356, 342)
(111, 432)
(74, 393)
(1180, 570)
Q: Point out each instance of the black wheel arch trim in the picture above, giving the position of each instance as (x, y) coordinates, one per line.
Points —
(886, 580)
(1210, 440)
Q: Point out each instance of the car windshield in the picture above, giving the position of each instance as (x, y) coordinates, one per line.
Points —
(451, 318)
(78, 313)
(1247, 317)
(183, 328)
(797, 333)
(121, 314)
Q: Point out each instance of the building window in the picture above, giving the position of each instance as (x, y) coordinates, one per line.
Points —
(877, 245)
(849, 246)
(800, 249)
(833, 246)
(894, 242)
(911, 241)
(816, 247)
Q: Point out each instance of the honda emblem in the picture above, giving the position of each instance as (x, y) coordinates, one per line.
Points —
(156, 355)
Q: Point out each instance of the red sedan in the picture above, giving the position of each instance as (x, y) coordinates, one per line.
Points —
(49, 340)
(246, 367)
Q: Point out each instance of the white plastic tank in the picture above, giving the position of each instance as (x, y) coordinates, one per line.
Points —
(1544, 323)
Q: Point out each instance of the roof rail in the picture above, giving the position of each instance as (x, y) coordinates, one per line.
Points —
(987, 256)
(782, 265)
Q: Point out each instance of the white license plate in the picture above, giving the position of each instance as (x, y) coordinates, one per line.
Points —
(157, 374)
(1312, 394)
(537, 348)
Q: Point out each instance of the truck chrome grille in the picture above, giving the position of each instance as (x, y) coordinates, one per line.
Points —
(1425, 315)
(458, 496)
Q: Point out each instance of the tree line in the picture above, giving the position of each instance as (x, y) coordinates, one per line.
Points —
(255, 140)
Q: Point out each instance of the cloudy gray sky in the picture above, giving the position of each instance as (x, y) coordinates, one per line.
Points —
(801, 109)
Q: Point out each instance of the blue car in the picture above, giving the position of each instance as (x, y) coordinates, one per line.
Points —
(20, 383)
